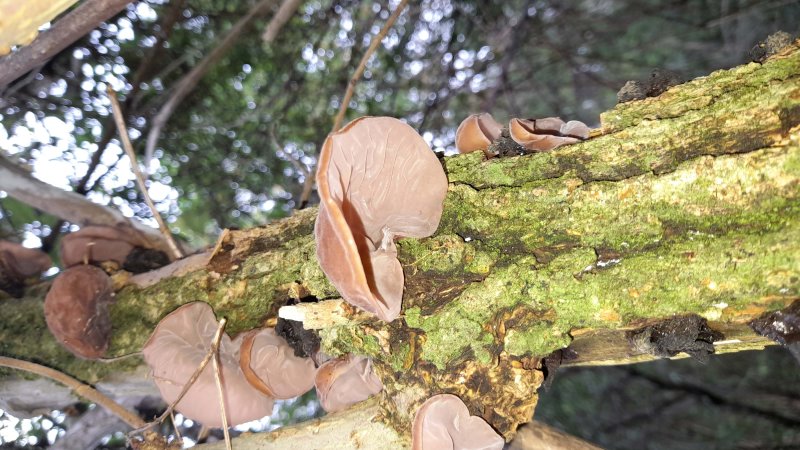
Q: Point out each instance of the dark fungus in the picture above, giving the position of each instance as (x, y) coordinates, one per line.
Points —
(76, 310)
(689, 334)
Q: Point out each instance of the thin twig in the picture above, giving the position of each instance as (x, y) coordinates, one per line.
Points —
(211, 352)
(348, 94)
(221, 399)
(126, 145)
(376, 41)
(79, 388)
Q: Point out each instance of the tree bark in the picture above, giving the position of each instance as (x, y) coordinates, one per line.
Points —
(682, 204)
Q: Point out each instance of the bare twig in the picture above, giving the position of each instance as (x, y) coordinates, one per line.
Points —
(221, 399)
(348, 94)
(79, 388)
(87, 16)
(376, 41)
(211, 352)
(285, 12)
(126, 145)
(190, 81)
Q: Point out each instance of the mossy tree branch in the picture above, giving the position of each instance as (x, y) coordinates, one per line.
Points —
(684, 204)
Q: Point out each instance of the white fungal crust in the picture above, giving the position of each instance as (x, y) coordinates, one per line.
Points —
(378, 180)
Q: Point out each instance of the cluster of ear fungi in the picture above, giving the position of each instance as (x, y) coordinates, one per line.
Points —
(76, 307)
(19, 264)
(378, 181)
(256, 368)
(478, 131)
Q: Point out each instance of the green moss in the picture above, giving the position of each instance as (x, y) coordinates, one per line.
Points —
(539, 339)
(349, 339)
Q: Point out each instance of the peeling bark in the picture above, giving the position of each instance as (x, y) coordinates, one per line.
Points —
(683, 204)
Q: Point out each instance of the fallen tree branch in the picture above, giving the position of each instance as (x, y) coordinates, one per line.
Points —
(67, 205)
(87, 16)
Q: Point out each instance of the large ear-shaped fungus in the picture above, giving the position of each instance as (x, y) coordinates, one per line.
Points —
(17, 263)
(541, 135)
(269, 364)
(443, 423)
(174, 351)
(76, 310)
(345, 381)
(477, 132)
(100, 243)
(378, 180)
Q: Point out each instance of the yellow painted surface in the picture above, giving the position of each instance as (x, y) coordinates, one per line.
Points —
(20, 20)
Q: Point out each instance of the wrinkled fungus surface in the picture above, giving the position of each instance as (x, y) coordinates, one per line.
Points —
(378, 181)
(541, 135)
(76, 310)
(345, 381)
(443, 422)
(94, 244)
(270, 365)
(476, 133)
(175, 350)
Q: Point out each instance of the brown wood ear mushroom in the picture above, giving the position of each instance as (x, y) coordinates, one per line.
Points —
(345, 381)
(541, 135)
(476, 133)
(269, 364)
(96, 244)
(76, 310)
(175, 350)
(443, 422)
(18, 263)
(378, 180)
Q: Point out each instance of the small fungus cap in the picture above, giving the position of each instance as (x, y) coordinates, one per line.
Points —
(541, 135)
(345, 381)
(95, 243)
(476, 133)
(269, 364)
(378, 180)
(22, 262)
(443, 422)
(175, 350)
(76, 310)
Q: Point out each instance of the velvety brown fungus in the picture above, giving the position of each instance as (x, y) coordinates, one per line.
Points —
(270, 365)
(76, 310)
(378, 181)
(345, 381)
(443, 422)
(175, 350)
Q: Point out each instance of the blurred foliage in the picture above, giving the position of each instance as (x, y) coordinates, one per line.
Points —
(748, 400)
(234, 152)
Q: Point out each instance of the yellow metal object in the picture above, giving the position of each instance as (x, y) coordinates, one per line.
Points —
(20, 20)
